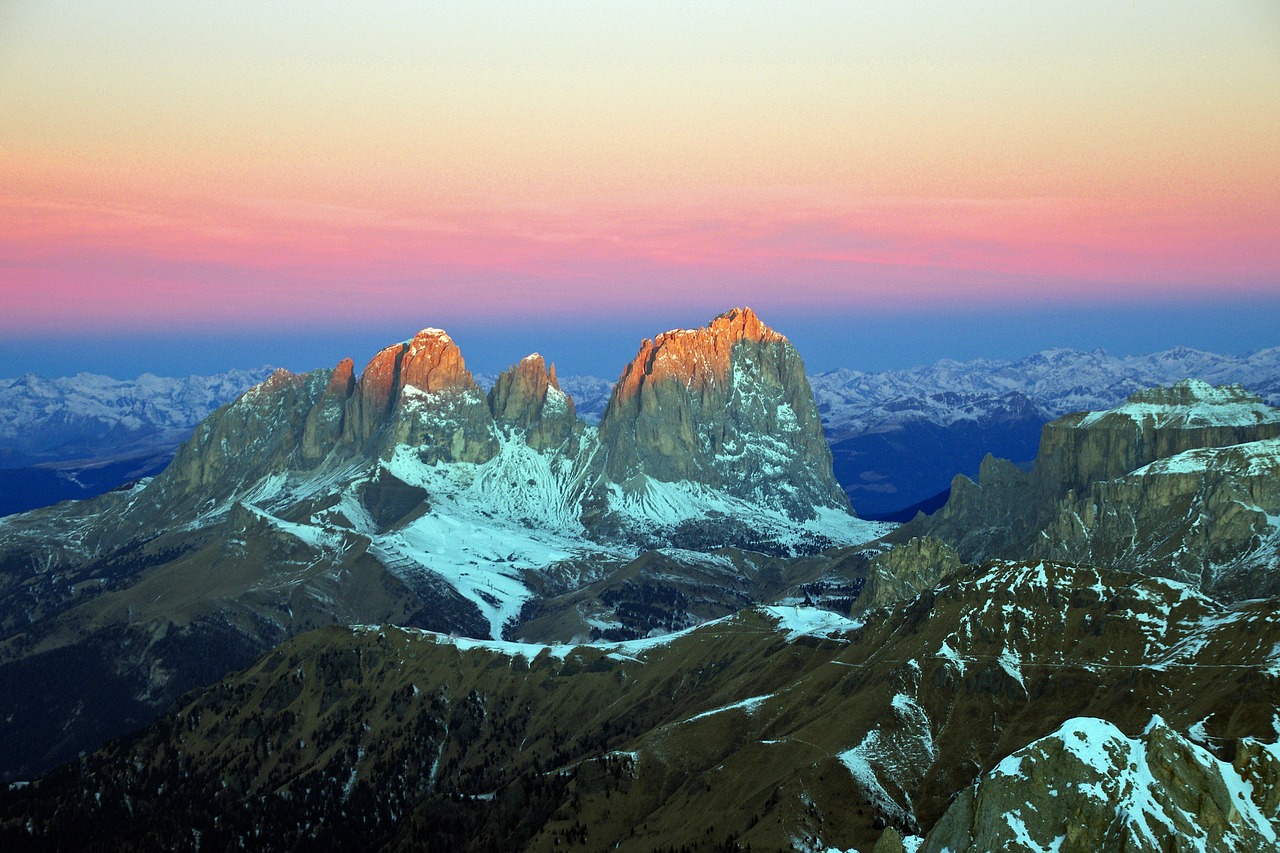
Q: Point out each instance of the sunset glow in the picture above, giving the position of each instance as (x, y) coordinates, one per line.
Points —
(223, 165)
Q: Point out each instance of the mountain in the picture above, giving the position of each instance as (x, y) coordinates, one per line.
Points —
(956, 715)
(1137, 790)
(899, 436)
(464, 618)
(89, 416)
(1178, 481)
(76, 437)
(407, 494)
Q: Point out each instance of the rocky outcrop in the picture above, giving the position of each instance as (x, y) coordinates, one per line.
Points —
(726, 406)
(906, 570)
(528, 397)
(1160, 484)
(326, 420)
(253, 437)
(1088, 788)
(991, 517)
(1208, 517)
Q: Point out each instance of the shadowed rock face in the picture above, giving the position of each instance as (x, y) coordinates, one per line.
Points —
(1205, 517)
(727, 405)
(1178, 481)
(1087, 447)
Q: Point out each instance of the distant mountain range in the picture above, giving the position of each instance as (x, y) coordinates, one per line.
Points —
(897, 437)
(78, 436)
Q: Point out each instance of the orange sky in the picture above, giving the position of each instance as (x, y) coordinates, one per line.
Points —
(219, 162)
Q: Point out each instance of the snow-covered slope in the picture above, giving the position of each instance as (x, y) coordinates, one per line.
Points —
(1139, 793)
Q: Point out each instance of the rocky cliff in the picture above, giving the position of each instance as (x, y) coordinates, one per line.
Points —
(1177, 481)
(528, 397)
(1209, 517)
(1081, 449)
(727, 406)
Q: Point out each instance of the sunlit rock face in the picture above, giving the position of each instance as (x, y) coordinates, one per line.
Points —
(727, 406)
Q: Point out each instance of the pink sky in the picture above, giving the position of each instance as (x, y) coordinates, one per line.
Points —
(219, 165)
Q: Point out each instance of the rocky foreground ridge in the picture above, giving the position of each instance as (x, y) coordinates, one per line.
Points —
(1012, 707)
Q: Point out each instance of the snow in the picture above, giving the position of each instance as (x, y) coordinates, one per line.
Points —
(858, 762)
(649, 504)
(749, 705)
(1251, 459)
(797, 622)
(1203, 406)
(489, 523)
(1118, 775)
(88, 414)
(951, 656)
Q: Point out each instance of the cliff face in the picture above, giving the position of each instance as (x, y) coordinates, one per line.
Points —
(1088, 447)
(1209, 517)
(420, 393)
(727, 406)
(1178, 482)
(256, 436)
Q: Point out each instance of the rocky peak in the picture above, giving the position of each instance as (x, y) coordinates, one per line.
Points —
(430, 362)
(343, 380)
(1152, 792)
(1188, 404)
(522, 389)
(727, 406)
(527, 396)
(694, 357)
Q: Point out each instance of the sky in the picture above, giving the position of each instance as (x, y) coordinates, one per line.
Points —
(186, 187)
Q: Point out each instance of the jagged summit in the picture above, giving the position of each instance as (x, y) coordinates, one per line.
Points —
(527, 396)
(430, 361)
(727, 405)
(694, 356)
